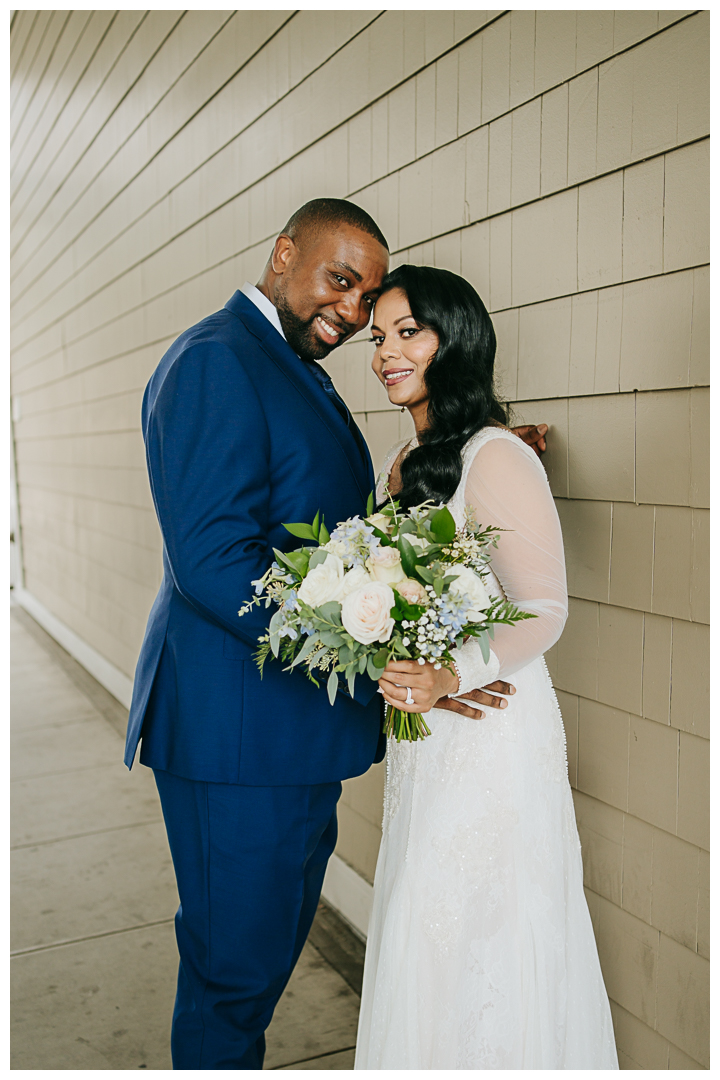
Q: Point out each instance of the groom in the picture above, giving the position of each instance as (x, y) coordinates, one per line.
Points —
(244, 431)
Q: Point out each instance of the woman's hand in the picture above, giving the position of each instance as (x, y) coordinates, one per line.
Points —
(423, 678)
(427, 685)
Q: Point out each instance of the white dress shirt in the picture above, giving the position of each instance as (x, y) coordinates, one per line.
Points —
(263, 305)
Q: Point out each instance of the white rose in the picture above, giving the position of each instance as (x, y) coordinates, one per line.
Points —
(323, 582)
(354, 579)
(380, 521)
(336, 547)
(413, 591)
(384, 565)
(366, 613)
(467, 583)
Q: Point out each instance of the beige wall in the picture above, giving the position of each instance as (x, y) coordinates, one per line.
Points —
(559, 161)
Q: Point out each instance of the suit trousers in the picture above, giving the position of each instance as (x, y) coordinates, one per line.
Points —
(249, 864)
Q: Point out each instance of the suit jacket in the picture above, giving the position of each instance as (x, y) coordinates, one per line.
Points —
(241, 437)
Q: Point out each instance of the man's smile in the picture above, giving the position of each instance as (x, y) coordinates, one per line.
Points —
(329, 333)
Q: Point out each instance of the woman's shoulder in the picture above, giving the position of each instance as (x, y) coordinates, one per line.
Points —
(503, 445)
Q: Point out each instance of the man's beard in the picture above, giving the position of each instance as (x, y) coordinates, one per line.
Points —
(299, 333)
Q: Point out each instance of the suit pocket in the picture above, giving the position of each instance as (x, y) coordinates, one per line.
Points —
(235, 649)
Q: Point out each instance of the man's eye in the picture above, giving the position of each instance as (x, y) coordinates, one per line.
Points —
(369, 300)
(341, 279)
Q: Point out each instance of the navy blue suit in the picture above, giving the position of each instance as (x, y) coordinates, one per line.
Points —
(240, 437)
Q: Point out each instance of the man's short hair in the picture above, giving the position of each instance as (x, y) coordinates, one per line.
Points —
(321, 214)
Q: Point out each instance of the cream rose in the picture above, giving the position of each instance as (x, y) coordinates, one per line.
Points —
(336, 547)
(384, 565)
(354, 579)
(366, 613)
(467, 583)
(412, 591)
(380, 521)
(323, 582)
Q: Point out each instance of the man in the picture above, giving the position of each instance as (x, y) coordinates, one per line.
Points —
(244, 431)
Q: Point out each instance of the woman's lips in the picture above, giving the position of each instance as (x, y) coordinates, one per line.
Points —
(393, 376)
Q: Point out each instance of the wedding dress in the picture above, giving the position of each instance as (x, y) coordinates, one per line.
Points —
(480, 952)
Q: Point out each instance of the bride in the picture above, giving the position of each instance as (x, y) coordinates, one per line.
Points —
(480, 951)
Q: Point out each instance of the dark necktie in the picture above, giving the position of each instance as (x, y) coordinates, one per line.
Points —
(327, 384)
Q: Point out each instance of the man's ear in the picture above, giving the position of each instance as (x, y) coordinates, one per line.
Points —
(282, 253)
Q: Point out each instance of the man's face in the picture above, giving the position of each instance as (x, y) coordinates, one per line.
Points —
(326, 287)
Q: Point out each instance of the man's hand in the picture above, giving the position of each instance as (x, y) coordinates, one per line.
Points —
(533, 436)
(489, 700)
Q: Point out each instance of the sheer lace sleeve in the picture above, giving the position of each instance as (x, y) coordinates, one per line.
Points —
(507, 487)
(385, 470)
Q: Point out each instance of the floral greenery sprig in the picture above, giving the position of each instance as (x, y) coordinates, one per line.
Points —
(389, 586)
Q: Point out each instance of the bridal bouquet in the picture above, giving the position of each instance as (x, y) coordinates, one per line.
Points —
(390, 586)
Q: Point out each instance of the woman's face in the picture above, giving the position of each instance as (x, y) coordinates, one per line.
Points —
(403, 350)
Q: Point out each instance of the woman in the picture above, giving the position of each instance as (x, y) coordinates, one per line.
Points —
(480, 952)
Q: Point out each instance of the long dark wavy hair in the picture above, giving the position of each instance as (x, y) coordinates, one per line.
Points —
(459, 379)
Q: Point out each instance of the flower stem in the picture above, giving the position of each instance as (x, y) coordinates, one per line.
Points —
(404, 726)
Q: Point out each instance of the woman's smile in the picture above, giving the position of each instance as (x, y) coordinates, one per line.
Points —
(395, 375)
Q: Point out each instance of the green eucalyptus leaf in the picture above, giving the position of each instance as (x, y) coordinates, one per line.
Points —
(327, 611)
(350, 676)
(332, 686)
(282, 559)
(443, 525)
(298, 561)
(408, 558)
(381, 658)
(373, 671)
(299, 528)
(484, 646)
(307, 648)
(318, 556)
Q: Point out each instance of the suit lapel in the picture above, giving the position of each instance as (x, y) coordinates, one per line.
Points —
(277, 348)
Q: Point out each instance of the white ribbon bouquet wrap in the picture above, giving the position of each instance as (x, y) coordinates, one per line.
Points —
(393, 585)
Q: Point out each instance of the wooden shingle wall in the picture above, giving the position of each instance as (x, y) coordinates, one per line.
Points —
(559, 161)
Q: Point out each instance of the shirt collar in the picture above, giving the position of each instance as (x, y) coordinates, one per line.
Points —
(265, 306)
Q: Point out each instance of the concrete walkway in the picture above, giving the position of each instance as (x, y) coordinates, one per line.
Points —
(94, 959)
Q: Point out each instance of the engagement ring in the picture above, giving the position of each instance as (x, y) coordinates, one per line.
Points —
(409, 698)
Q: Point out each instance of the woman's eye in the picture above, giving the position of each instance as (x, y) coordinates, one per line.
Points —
(377, 341)
(411, 330)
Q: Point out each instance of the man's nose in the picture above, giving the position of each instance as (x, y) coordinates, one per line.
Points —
(348, 308)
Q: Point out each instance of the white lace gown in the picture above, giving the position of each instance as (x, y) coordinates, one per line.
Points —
(480, 952)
